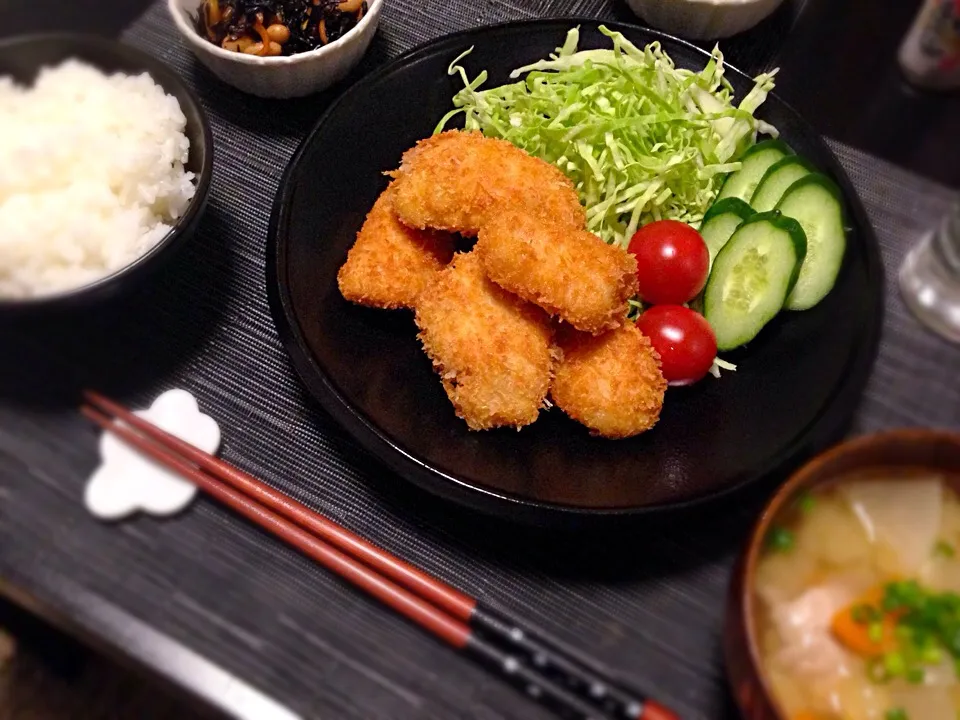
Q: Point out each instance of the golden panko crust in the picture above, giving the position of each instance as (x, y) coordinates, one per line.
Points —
(568, 272)
(492, 350)
(457, 180)
(390, 264)
(611, 383)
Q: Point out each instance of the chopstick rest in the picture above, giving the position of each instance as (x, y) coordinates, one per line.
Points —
(127, 482)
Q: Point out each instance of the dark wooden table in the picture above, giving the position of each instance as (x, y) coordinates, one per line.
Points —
(841, 55)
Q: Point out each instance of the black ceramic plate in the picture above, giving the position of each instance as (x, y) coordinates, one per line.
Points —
(797, 385)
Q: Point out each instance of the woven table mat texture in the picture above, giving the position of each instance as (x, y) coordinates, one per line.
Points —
(649, 602)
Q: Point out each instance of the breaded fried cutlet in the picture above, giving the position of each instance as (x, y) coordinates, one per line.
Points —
(491, 349)
(390, 264)
(611, 383)
(570, 273)
(456, 180)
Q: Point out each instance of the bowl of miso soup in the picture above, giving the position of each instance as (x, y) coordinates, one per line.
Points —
(845, 604)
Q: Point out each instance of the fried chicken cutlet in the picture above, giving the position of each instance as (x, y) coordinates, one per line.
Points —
(455, 181)
(390, 264)
(491, 349)
(568, 272)
(611, 383)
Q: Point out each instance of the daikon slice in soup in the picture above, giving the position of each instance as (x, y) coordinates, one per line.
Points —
(857, 598)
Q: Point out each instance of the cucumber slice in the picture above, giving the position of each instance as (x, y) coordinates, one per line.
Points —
(720, 222)
(775, 181)
(755, 161)
(815, 202)
(752, 277)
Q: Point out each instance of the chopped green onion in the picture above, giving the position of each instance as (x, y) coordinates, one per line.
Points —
(896, 714)
(780, 539)
(927, 628)
(899, 595)
(805, 502)
(931, 655)
(894, 664)
(952, 641)
(865, 613)
(944, 549)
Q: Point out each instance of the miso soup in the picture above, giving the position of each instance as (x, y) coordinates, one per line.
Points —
(858, 600)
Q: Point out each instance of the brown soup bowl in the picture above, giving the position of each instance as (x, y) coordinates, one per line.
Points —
(913, 449)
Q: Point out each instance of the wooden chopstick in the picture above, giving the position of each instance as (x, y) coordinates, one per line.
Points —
(450, 630)
(447, 613)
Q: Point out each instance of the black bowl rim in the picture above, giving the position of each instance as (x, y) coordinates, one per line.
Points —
(166, 77)
(823, 431)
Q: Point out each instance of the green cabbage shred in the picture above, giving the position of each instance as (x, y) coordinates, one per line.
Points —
(641, 139)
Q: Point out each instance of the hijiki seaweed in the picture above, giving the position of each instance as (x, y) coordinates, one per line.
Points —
(277, 27)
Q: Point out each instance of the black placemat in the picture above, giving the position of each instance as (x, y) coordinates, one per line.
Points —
(648, 601)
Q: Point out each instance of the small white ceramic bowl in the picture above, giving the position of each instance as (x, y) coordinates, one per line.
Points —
(284, 76)
(703, 19)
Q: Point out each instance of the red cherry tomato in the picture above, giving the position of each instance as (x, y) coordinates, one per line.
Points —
(672, 262)
(683, 339)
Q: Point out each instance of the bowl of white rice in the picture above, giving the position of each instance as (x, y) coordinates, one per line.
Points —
(106, 159)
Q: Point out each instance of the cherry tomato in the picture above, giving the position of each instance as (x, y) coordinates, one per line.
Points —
(683, 339)
(672, 262)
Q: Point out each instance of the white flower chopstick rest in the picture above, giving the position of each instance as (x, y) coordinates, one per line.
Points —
(127, 481)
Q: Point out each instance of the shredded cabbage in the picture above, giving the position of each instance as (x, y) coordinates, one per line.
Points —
(719, 365)
(641, 139)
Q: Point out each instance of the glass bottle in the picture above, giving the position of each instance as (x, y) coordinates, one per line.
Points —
(930, 277)
(930, 53)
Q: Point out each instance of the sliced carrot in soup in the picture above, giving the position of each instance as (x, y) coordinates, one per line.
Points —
(866, 637)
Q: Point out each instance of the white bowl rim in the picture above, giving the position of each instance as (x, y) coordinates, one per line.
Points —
(194, 38)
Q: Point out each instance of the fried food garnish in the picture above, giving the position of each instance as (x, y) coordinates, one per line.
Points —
(457, 180)
(491, 349)
(390, 264)
(611, 383)
(568, 272)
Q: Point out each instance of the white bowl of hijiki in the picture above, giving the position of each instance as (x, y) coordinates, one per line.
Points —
(277, 48)
(846, 604)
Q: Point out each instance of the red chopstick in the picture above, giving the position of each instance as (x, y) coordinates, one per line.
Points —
(449, 614)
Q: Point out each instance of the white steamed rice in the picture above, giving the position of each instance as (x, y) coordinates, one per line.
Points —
(91, 176)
